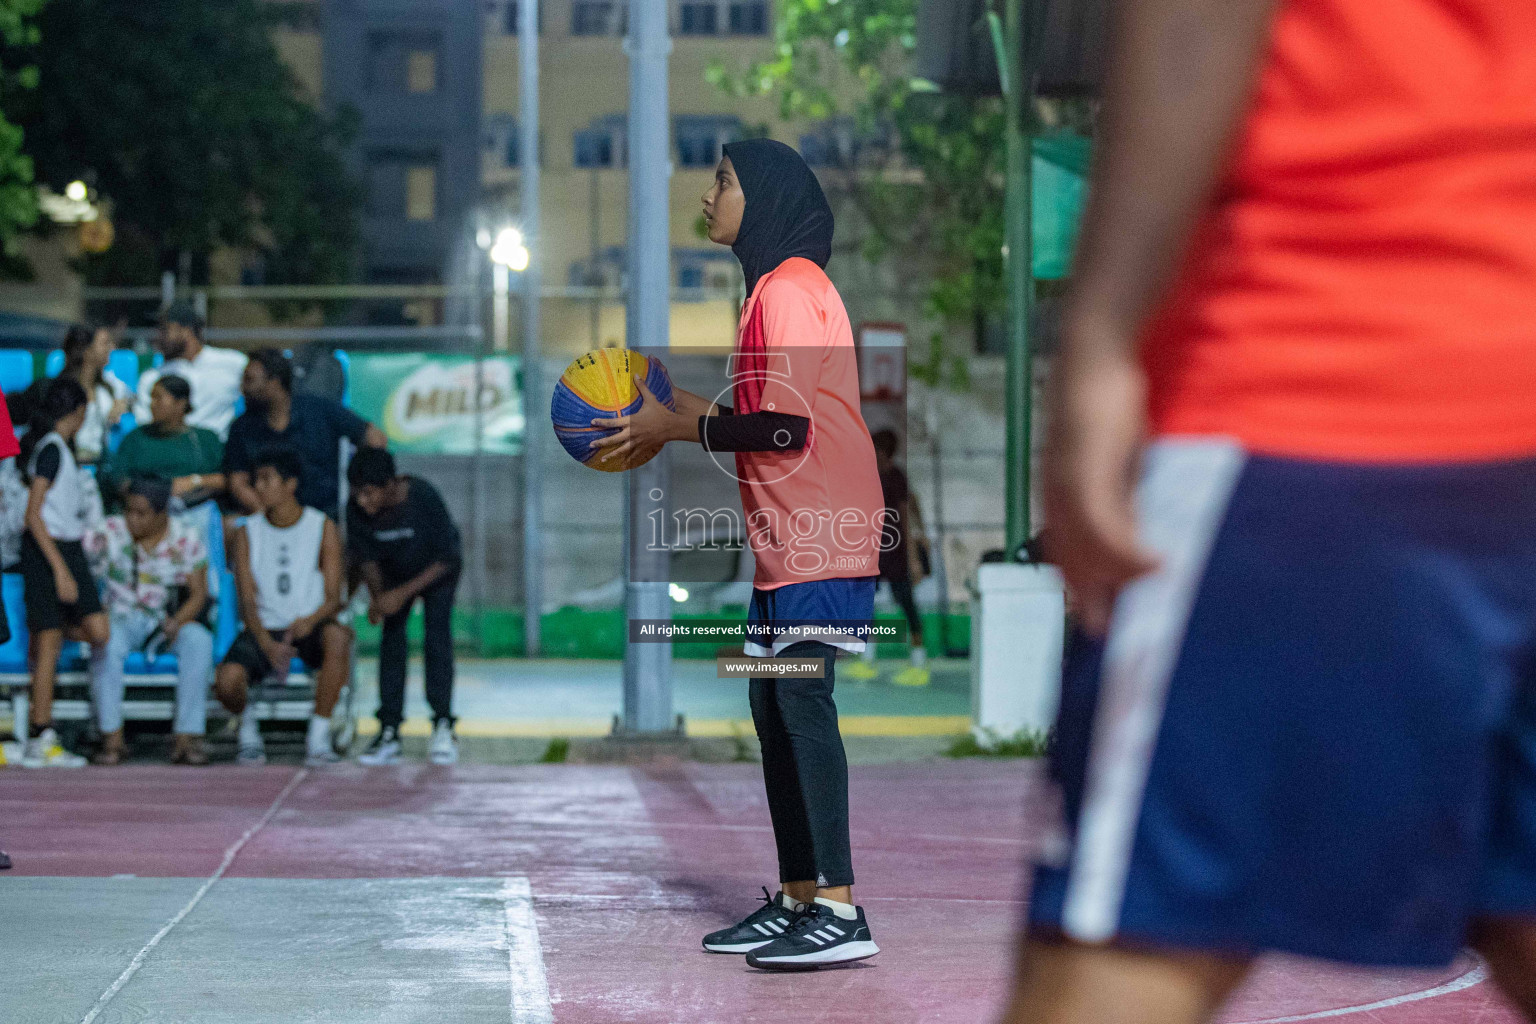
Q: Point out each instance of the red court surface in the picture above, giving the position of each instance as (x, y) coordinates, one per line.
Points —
(627, 868)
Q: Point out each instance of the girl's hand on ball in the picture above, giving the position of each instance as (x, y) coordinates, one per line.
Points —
(646, 429)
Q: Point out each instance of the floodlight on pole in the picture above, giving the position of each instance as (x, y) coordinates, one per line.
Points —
(76, 191)
(509, 250)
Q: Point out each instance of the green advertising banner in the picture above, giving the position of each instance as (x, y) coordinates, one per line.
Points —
(424, 401)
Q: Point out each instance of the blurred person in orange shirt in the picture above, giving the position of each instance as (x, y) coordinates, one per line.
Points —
(1290, 481)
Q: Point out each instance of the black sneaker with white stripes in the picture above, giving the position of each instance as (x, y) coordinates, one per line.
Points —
(773, 919)
(819, 939)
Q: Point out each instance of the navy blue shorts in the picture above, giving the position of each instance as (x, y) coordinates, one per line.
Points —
(1313, 728)
(831, 611)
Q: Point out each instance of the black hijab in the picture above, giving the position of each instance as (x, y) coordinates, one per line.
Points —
(786, 212)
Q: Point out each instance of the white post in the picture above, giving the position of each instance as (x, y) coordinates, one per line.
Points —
(648, 666)
(533, 390)
(1016, 647)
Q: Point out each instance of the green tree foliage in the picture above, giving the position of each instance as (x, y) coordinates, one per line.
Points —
(184, 117)
(18, 198)
(938, 189)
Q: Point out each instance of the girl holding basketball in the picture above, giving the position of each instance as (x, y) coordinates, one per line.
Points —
(811, 494)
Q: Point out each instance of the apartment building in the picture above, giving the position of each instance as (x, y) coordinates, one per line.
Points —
(435, 83)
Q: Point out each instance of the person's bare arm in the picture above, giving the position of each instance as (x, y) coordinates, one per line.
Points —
(245, 590)
(212, 482)
(1180, 75)
(388, 602)
(330, 569)
(690, 404)
(240, 486)
(63, 579)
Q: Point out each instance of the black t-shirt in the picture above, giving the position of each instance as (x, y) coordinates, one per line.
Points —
(893, 563)
(315, 429)
(406, 539)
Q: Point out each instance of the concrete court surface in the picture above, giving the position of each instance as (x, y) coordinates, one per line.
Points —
(533, 894)
(514, 697)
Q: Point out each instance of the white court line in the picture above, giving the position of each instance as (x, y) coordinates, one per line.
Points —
(229, 858)
(1476, 975)
(525, 956)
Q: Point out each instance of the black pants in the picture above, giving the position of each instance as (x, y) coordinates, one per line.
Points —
(806, 772)
(901, 593)
(437, 652)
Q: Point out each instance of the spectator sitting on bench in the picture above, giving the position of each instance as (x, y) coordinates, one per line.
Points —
(156, 573)
(287, 565)
(189, 457)
(309, 425)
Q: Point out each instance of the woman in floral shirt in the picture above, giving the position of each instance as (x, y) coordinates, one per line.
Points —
(156, 574)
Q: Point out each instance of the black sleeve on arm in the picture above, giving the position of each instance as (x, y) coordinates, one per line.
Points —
(359, 538)
(48, 462)
(754, 432)
(443, 542)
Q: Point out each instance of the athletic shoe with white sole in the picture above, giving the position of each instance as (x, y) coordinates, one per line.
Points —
(444, 748)
(319, 757)
(819, 939)
(862, 669)
(45, 751)
(385, 748)
(773, 919)
(251, 751)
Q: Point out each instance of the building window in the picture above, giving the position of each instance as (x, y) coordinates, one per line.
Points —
(594, 149)
(838, 142)
(700, 269)
(699, 139)
(605, 269)
(502, 139)
(601, 144)
(403, 185)
(421, 71)
(403, 62)
(421, 192)
(698, 18)
(511, 14)
(594, 18)
(749, 18)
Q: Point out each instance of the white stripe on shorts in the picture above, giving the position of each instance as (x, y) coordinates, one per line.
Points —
(1182, 500)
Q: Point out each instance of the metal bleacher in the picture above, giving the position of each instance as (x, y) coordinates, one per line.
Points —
(150, 695)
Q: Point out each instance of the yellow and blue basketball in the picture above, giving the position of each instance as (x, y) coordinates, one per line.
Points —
(601, 385)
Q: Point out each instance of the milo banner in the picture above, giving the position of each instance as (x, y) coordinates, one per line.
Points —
(425, 401)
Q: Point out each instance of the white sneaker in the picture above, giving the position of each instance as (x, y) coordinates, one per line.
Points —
(319, 757)
(44, 751)
(252, 750)
(444, 748)
(385, 748)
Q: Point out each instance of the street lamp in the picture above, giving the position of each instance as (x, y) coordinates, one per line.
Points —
(508, 253)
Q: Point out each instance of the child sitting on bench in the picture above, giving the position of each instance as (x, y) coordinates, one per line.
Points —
(287, 565)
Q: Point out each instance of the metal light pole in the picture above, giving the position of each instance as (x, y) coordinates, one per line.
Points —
(533, 390)
(647, 666)
(1016, 75)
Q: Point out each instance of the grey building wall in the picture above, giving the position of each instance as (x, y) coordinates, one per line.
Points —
(375, 61)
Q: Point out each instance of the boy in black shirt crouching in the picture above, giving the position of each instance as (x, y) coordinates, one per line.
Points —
(399, 533)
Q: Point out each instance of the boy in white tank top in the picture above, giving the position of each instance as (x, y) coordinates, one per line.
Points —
(287, 565)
